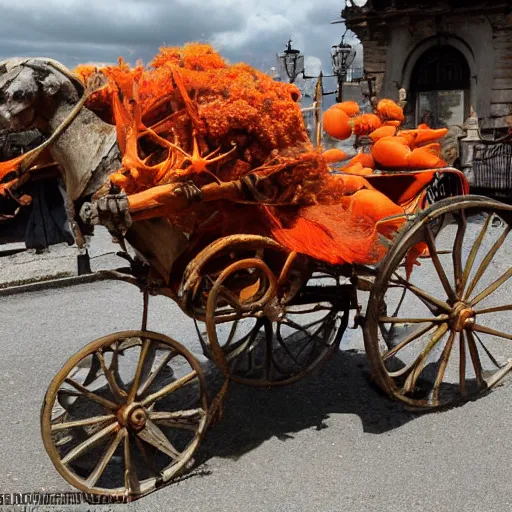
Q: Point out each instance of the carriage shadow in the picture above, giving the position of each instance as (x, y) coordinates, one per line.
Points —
(255, 415)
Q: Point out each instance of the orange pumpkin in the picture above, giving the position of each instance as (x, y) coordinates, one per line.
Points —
(376, 206)
(337, 123)
(365, 124)
(351, 108)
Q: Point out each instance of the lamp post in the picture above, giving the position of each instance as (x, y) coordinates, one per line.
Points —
(342, 56)
(291, 61)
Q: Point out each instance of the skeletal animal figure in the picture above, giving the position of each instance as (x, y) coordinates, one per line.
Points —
(43, 94)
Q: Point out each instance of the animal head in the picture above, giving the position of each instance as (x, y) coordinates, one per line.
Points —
(30, 91)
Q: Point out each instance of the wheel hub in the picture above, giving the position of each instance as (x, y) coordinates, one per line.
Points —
(462, 316)
(133, 417)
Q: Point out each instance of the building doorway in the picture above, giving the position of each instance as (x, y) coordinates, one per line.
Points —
(440, 86)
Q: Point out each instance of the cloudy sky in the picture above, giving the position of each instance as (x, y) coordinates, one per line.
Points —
(78, 31)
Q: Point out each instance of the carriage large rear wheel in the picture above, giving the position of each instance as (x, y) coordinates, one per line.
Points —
(438, 328)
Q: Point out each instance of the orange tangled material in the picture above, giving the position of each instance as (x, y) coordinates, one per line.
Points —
(191, 117)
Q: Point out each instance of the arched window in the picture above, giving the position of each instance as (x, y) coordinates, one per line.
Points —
(440, 86)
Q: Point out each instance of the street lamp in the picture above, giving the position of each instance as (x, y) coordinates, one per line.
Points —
(292, 61)
(342, 56)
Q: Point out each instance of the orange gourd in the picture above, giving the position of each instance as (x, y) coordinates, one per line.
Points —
(383, 131)
(358, 169)
(365, 124)
(366, 160)
(391, 152)
(336, 123)
(334, 155)
(388, 109)
(352, 183)
(395, 152)
(421, 136)
(351, 108)
(376, 206)
(427, 157)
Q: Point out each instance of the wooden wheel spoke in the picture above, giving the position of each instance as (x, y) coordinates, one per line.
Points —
(107, 456)
(152, 435)
(417, 367)
(82, 423)
(138, 372)
(396, 320)
(422, 294)
(89, 443)
(186, 420)
(445, 356)
(473, 253)
(149, 460)
(496, 309)
(314, 309)
(492, 332)
(232, 333)
(131, 482)
(311, 336)
(475, 358)
(457, 252)
(173, 386)
(414, 336)
(117, 391)
(462, 364)
(431, 244)
(246, 342)
(147, 383)
(83, 391)
(230, 298)
(486, 261)
(492, 288)
(283, 344)
(487, 351)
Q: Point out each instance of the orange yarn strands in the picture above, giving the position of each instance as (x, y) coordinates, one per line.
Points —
(325, 232)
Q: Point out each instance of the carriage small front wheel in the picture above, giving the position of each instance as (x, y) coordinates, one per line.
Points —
(131, 423)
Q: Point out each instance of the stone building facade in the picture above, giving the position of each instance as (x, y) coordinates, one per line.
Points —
(452, 57)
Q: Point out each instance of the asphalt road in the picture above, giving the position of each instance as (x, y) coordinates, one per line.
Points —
(328, 443)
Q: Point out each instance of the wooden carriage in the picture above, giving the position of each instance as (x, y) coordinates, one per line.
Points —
(126, 413)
